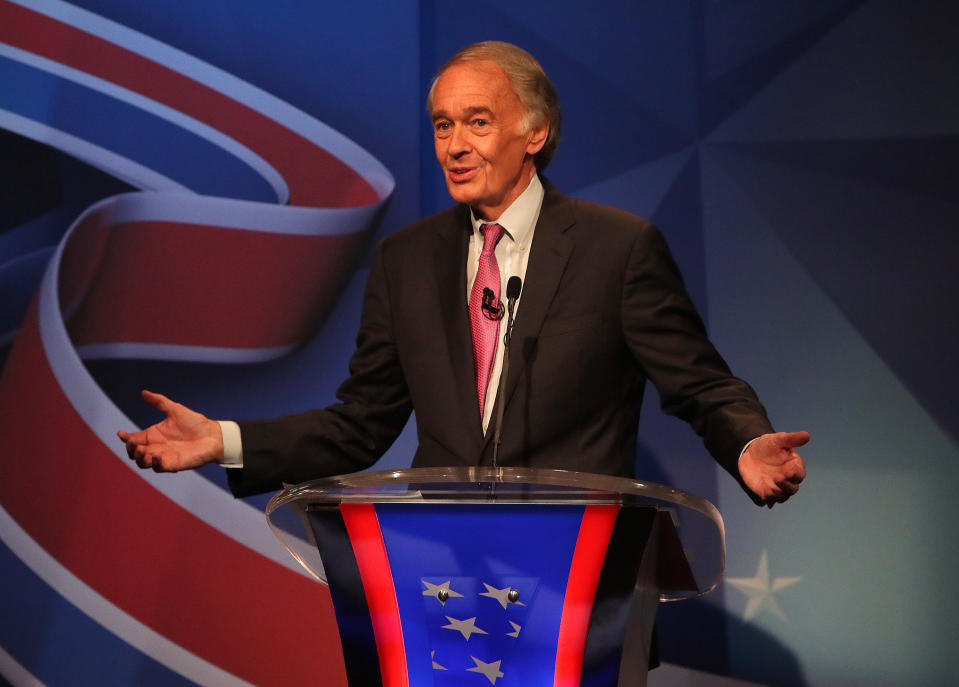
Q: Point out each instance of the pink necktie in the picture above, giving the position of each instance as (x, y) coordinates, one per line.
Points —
(484, 328)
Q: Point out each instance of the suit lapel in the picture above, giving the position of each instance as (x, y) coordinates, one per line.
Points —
(449, 264)
(550, 254)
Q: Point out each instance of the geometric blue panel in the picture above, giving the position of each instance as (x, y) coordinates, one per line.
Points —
(926, 166)
(753, 43)
(655, 68)
(888, 70)
(744, 31)
(886, 256)
(640, 190)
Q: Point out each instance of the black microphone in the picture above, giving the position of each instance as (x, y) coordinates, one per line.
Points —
(513, 287)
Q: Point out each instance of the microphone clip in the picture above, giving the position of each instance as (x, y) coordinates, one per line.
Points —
(492, 308)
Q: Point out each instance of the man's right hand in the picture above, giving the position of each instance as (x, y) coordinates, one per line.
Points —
(183, 441)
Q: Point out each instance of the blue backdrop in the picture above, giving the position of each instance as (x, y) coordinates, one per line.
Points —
(801, 158)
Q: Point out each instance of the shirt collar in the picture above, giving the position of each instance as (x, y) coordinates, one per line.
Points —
(519, 219)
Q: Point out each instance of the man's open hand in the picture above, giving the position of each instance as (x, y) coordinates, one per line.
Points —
(184, 440)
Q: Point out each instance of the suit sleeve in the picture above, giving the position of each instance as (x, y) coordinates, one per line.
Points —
(374, 406)
(667, 336)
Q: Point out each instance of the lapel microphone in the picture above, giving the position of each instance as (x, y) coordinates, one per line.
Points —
(513, 287)
(491, 309)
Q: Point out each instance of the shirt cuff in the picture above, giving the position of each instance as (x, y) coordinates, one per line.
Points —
(748, 443)
(232, 444)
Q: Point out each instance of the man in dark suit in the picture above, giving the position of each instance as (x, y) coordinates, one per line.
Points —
(602, 309)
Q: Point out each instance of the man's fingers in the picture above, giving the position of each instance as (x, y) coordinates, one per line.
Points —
(773, 498)
(778, 498)
(132, 441)
(127, 442)
(787, 487)
(140, 458)
(164, 463)
(148, 461)
(793, 439)
(158, 401)
(137, 449)
(779, 490)
(798, 474)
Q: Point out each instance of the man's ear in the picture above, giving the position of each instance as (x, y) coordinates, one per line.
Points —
(537, 138)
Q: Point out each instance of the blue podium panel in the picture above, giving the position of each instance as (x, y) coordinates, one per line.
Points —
(480, 553)
(452, 595)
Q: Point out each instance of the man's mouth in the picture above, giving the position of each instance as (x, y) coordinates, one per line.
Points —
(460, 174)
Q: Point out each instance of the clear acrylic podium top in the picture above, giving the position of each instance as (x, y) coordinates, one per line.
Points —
(697, 533)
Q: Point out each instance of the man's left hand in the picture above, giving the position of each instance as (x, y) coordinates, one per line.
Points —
(772, 468)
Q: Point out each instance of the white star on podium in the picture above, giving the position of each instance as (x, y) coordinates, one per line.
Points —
(435, 589)
(501, 595)
(464, 627)
(490, 670)
(760, 589)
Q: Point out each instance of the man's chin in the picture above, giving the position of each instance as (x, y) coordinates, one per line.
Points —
(462, 192)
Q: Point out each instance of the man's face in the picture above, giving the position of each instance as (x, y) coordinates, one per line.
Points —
(481, 140)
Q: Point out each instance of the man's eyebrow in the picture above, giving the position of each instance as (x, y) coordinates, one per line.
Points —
(467, 112)
(477, 109)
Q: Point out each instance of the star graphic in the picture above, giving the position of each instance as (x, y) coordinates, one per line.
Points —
(436, 666)
(464, 627)
(516, 629)
(439, 590)
(490, 670)
(501, 595)
(760, 589)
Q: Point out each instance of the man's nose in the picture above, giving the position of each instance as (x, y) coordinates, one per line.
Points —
(459, 142)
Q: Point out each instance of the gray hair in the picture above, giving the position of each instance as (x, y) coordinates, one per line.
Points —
(528, 81)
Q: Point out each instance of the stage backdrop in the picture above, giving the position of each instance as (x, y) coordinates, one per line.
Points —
(190, 196)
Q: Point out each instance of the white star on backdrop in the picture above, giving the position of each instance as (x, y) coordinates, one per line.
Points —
(760, 589)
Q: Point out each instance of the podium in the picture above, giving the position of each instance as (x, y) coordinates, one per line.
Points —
(504, 576)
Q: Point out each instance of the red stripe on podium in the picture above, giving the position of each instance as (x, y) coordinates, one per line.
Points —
(591, 544)
(371, 558)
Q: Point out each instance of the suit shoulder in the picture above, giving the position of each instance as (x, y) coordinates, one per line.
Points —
(424, 229)
(611, 222)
